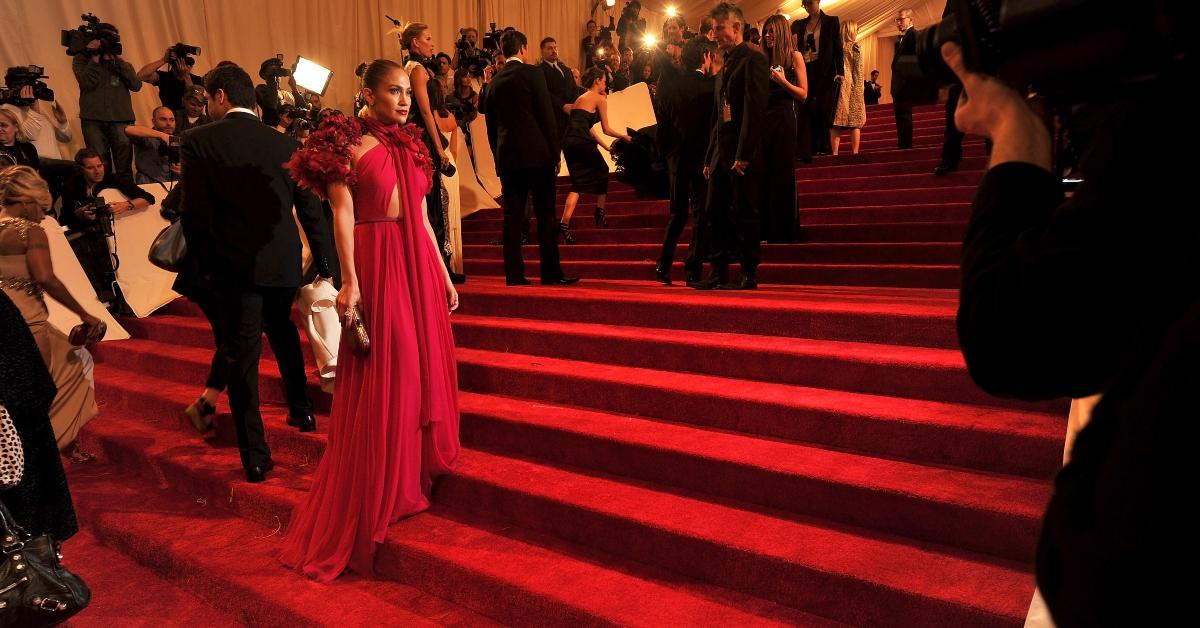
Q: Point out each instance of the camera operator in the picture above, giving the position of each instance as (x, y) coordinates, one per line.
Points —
(467, 47)
(631, 28)
(192, 115)
(89, 219)
(269, 96)
(157, 154)
(105, 107)
(175, 81)
(1097, 293)
(596, 38)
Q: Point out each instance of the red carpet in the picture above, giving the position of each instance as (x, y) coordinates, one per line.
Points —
(804, 454)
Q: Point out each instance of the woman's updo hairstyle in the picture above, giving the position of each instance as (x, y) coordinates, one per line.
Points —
(377, 70)
(593, 74)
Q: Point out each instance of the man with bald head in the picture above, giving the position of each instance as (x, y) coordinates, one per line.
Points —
(156, 161)
(906, 52)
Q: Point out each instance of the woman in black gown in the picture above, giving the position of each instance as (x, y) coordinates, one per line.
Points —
(581, 148)
(41, 502)
(787, 90)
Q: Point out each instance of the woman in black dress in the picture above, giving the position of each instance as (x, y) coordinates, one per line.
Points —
(787, 90)
(41, 502)
(581, 147)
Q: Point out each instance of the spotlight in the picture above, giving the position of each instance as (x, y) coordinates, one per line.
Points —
(312, 76)
(649, 41)
(610, 3)
(786, 16)
(671, 12)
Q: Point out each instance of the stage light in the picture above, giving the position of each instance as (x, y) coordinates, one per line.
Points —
(649, 41)
(610, 3)
(671, 12)
(786, 16)
(312, 76)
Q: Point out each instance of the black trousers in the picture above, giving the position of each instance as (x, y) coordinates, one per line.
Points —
(517, 187)
(804, 130)
(821, 102)
(689, 190)
(733, 208)
(904, 124)
(953, 138)
(779, 220)
(104, 137)
(243, 315)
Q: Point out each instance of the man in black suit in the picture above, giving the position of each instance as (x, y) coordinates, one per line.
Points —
(561, 84)
(523, 135)
(238, 222)
(685, 122)
(902, 89)
(733, 163)
(819, 40)
(872, 90)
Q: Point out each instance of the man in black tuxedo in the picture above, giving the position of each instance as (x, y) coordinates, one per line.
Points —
(872, 90)
(902, 89)
(819, 40)
(685, 123)
(734, 161)
(238, 223)
(561, 84)
(523, 135)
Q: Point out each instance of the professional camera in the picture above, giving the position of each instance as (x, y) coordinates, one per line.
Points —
(105, 221)
(171, 150)
(272, 69)
(474, 59)
(1064, 51)
(25, 76)
(184, 52)
(77, 40)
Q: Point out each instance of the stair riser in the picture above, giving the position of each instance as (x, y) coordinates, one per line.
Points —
(925, 443)
(944, 254)
(957, 212)
(942, 231)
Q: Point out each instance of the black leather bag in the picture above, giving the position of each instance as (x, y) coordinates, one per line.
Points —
(169, 247)
(35, 590)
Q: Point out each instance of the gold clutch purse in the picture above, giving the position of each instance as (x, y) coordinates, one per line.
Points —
(354, 321)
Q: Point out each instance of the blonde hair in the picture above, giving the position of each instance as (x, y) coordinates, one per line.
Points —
(17, 182)
(10, 112)
(411, 31)
(781, 53)
(849, 32)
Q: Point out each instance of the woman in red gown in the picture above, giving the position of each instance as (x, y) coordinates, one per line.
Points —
(394, 424)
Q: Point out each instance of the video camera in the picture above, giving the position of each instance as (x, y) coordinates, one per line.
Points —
(22, 76)
(474, 59)
(76, 41)
(272, 69)
(1064, 51)
(184, 52)
(105, 221)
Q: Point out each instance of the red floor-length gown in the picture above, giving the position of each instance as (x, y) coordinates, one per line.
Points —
(394, 423)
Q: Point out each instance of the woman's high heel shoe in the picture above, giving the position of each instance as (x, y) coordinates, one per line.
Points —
(600, 220)
(565, 232)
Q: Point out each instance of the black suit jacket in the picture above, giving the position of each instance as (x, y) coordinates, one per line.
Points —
(743, 85)
(686, 117)
(521, 123)
(831, 60)
(237, 208)
(561, 84)
(909, 84)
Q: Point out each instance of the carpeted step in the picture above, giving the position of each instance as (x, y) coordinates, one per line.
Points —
(893, 154)
(515, 576)
(125, 593)
(904, 275)
(903, 232)
(982, 512)
(229, 561)
(974, 437)
(907, 197)
(806, 172)
(941, 253)
(876, 214)
(888, 184)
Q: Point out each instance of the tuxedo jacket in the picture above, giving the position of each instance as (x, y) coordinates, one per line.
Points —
(561, 84)
(831, 58)
(522, 127)
(742, 85)
(686, 117)
(909, 84)
(237, 207)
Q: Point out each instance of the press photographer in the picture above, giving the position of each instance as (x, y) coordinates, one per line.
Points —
(157, 154)
(268, 95)
(468, 55)
(596, 38)
(105, 82)
(175, 81)
(193, 113)
(1096, 293)
(631, 28)
(89, 219)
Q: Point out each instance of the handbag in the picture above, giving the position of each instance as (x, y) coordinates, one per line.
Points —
(35, 589)
(12, 453)
(354, 321)
(169, 247)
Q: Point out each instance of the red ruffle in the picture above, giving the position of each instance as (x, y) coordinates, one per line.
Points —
(326, 156)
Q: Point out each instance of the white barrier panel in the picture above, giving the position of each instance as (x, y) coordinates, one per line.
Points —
(472, 195)
(145, 286)
(68, 270)
(485, 162)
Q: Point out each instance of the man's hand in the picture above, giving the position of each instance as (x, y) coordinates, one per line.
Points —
(85, 212)
(176, 169)
(740, 167)
(707, 172)
(567, 108)
(994, 110)
(27, 92)
(60, 114)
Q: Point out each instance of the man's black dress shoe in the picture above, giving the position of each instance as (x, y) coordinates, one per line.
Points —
(713, 280)
(663, 276)
(258, 473)
(561, 281)
(945, 168)
(741, 283)
(517, 282)
(306, 423)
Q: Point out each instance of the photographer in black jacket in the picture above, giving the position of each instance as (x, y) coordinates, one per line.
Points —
(105, 108)
(1097, 293)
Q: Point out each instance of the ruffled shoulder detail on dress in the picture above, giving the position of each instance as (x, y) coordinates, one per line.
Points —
(326, 157)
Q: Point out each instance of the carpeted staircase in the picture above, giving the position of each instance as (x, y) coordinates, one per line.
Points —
(811, 453)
